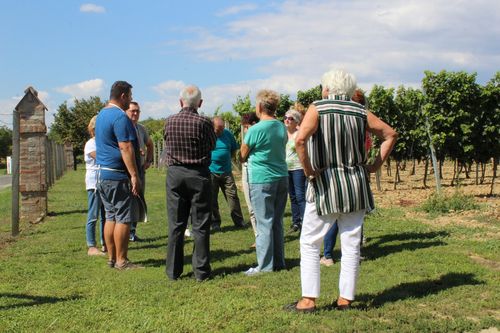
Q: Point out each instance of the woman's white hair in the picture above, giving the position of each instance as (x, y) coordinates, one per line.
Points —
(191, 95)
(339, 82)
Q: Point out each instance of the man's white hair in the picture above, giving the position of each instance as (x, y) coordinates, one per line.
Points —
(339, 82)
(191, 95)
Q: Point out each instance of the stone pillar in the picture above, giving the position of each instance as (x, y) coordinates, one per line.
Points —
(68, 153)
(32, 157)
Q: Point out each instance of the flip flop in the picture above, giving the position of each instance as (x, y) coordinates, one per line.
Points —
(293, 308)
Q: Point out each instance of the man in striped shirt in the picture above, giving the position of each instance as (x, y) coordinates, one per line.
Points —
(330, 145)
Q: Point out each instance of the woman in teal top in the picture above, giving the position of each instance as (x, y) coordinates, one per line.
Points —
(264, 147)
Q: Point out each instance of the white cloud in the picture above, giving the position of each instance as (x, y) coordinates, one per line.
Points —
(379, 41)
(83, 89)
(92, 8)
(237, 9)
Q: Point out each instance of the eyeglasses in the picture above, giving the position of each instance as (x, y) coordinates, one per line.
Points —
(289, 118)
(134, 111)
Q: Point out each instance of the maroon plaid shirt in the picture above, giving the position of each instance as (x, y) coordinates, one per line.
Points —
(189, 138)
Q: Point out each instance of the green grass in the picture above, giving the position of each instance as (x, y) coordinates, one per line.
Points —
(416, 278)
(438, 204)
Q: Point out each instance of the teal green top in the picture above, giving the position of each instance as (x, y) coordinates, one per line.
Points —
(267, 159)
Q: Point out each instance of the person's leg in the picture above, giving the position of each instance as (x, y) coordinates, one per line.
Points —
(262, 199)
(109, 231)
(350, 239)
(231, 194)
(102, 221)
(216, 183)
(201, 220)
(330, 240)
(177, 211)
(246, 193)
(92, 215)
(299, 181)
(278, 237)
(314, 229)
(293, 202)
(121, 236)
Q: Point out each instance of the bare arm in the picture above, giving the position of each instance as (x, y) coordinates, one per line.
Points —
(92, 154)
(385, 133)
(149, 153)
(244, 152)
(128, 156)
(307, 128)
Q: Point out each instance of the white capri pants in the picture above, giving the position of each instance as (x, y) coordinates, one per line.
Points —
(314, 229)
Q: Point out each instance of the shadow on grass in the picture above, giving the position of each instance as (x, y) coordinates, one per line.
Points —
(411, 241)
(417, 289)
(76, 211)
(30, 300)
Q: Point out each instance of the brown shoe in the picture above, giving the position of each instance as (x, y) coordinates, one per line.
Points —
(126, 265)
(253, 246)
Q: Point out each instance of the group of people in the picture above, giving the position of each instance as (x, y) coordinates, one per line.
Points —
(316, 156)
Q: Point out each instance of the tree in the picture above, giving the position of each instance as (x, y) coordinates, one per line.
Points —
(5, 142)
(70, 123)
(307, 97)
(412, 140)
(451, 101)
(284, 106)
(486, 128)
(154, 125)
(243, 105)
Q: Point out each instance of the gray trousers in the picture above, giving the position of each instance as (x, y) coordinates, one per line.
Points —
(227, 184)
(188, 192)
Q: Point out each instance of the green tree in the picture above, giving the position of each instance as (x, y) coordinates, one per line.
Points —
(410, 124)
(5, 142)
(307, 97)
(284, 106)
(486, 127)
(452, 99)
(70, 123)
(243, 105)
(154, 125)
(381, 103)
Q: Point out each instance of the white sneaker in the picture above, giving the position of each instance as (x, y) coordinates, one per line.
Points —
(252, 271)
(325, 261)
(187, 233)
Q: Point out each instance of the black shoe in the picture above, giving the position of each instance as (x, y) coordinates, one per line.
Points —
(296, 227)
(215, 228)
(134, 238)
(241, 225)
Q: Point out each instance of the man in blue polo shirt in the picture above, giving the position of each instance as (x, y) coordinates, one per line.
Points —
(118, 179)
(222, 175)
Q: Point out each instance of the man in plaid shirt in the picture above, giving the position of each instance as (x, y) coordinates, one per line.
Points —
(189, 141)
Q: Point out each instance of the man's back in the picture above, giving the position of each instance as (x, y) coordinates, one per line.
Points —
(189, 138)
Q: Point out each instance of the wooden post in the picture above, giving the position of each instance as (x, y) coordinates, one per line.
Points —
(16, 147)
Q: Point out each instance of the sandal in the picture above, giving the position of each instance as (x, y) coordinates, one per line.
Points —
(293, 308)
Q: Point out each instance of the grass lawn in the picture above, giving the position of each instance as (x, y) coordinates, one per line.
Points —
(416, 277)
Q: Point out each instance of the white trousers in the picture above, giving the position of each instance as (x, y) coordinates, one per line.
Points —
(314, 229)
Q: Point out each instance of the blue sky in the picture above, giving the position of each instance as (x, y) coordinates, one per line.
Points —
(76, 49)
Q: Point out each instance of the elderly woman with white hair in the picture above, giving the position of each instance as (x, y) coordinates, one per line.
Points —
(264, 146)
(296, 177)
(330, 145)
